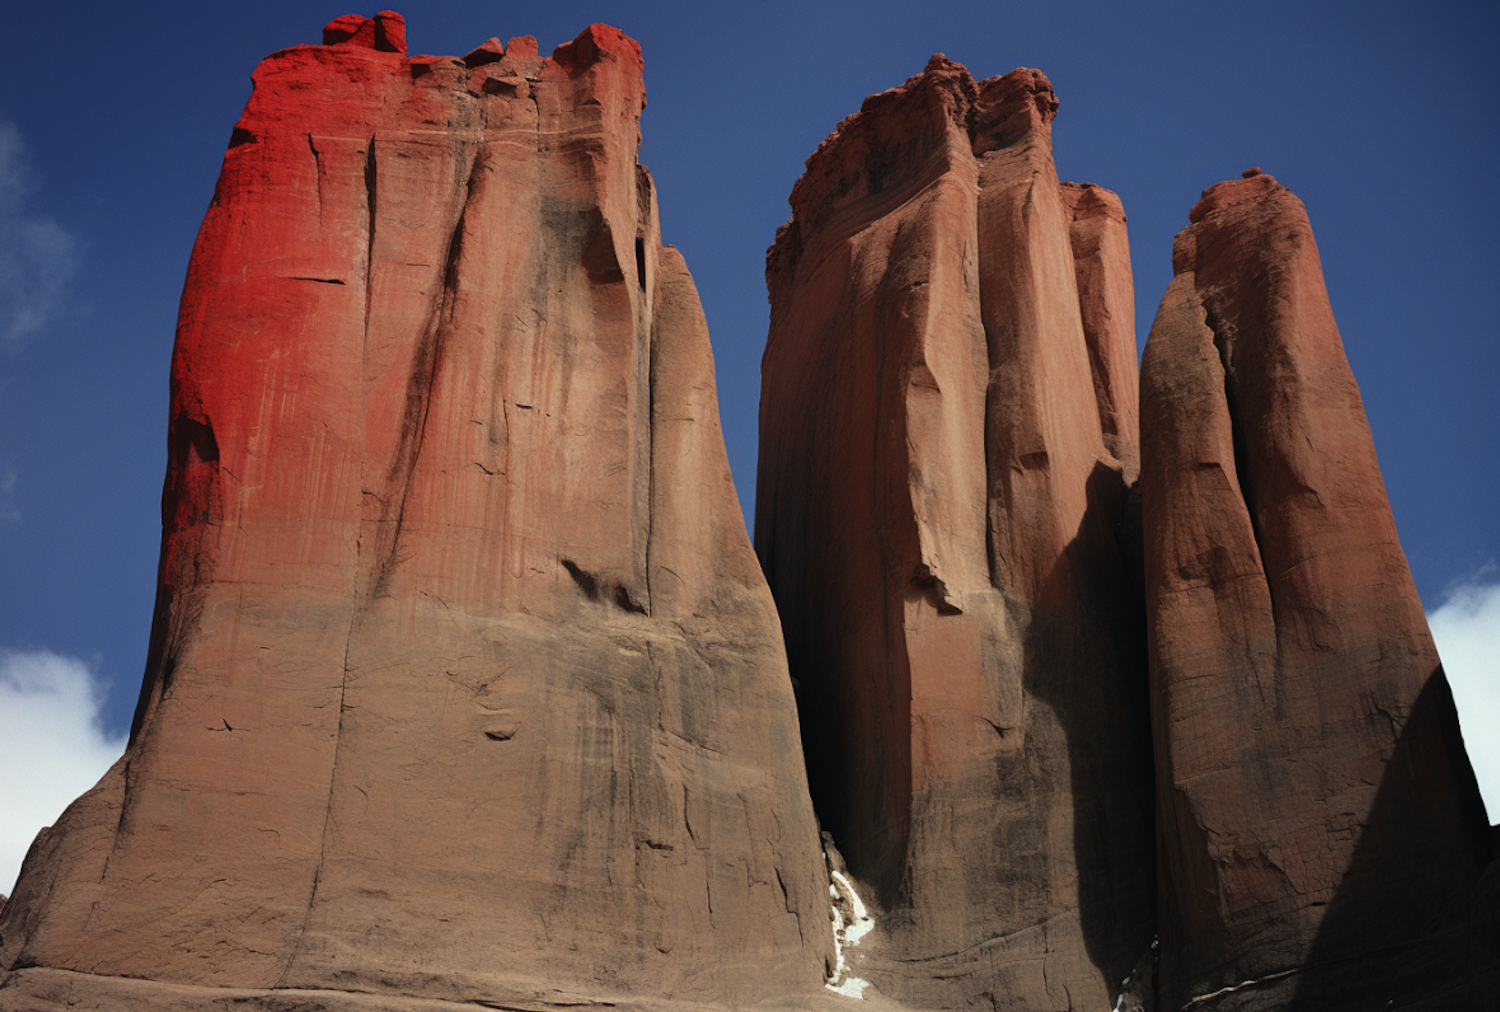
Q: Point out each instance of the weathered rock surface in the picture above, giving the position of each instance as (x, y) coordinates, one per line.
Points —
(1106, 299)
(1321, 831)
(464, 682)
(947, 422)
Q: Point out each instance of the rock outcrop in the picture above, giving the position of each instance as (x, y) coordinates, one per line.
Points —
(947, 428)
(464, 682)
(466, 689)
(1321, 833)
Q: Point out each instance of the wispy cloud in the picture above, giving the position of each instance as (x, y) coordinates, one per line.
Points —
(1467, 630)
(38, 257)
(52, 745)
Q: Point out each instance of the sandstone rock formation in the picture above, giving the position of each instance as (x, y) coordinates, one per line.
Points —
(466, 689)
(947, 427)
(464, 682)
(1321, 831)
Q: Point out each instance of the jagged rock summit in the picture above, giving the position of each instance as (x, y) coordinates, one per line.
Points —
(947, 431)
(464, 683)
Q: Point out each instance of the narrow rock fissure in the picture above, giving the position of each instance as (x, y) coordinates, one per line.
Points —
(991, 544)
(318, 174)
(338, 744)
(650, 433)
(1237, 436)
(370, 184)
(419, 392)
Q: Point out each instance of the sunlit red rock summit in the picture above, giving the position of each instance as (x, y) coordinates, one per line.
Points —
(464, 681)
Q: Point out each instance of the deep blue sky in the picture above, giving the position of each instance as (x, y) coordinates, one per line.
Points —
(1382, 118)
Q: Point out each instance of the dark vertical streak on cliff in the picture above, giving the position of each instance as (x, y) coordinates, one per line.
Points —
(371, 179)
(1223, 340)
(419, 390)
(318, 173)
(648, 329)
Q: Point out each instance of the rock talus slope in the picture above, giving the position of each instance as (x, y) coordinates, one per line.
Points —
(1321, 832)
(464, 683)
(947, 429)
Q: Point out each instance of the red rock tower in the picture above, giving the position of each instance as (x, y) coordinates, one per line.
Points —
(947, 431)
(1321, 831)
(464, 682)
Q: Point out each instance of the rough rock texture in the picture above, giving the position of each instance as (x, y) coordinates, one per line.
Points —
(1106, 298)
(464, 682)
(1321, 831)
(946, 425)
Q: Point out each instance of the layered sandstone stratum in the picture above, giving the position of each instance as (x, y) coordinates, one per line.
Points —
(466, 689)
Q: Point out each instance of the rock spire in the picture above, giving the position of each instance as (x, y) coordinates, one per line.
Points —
(1321, 832)
(464, 683)
(947, 431)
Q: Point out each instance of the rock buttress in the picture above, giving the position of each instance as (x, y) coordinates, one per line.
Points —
(464, 682)
(946, 429)
(1321, 832)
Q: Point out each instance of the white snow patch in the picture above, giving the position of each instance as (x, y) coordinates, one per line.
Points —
(847, 935)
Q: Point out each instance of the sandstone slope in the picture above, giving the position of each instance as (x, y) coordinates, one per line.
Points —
(947, 428)
(1321, 832)
(464, 681)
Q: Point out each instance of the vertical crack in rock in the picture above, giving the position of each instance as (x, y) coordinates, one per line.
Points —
(371, 181)
(318, 176)
(419, 392)
(643, 192)
(295, 948)
(1223, 339)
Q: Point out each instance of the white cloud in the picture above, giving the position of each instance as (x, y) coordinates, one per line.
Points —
(38, 257)
(52, 746)
(1467, 631)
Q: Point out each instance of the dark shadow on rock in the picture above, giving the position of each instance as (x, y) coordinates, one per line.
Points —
(1086, 659)
(1484, 937)
(856, 735)
(1398, 934)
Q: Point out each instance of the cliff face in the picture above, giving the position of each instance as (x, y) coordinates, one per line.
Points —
(1321, 833)
(464, 681)
(947, 428)
(466, 687)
